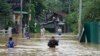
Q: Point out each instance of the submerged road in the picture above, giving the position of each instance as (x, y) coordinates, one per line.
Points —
(68, 46)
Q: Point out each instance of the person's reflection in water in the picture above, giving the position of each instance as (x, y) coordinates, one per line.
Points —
(53, 52)
(10, 46)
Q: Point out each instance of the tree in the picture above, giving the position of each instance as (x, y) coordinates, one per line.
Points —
(35, 8)
(53, 5)
(5, 12)
(5, 8)
(38, 5)
(91, 10)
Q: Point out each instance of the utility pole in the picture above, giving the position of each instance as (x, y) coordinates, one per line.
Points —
(29, 14)
(80, 18)
(69, 5)
(21, 16)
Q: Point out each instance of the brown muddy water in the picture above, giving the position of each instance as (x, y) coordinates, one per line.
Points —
(38, 47)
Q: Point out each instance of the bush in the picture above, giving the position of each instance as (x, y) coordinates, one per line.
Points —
(72, 20)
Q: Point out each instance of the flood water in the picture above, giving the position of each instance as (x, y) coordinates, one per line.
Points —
(68, 46)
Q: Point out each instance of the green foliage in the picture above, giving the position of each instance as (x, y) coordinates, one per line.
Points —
(5, 21)
(38, 6)
(53, 5)
(91, 10)
(5, 12)
(10, 23)
(65, 7)
(31, 26)
(31, 6)
(74, 28)
(67, 4)
(33, 11)
(5, 8)
(72, 20)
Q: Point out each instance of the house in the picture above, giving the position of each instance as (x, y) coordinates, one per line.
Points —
(16, 13)
(55, 21)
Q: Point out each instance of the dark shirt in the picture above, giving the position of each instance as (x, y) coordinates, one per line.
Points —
(52, 43)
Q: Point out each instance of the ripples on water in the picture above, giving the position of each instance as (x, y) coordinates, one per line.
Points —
(39, 48)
